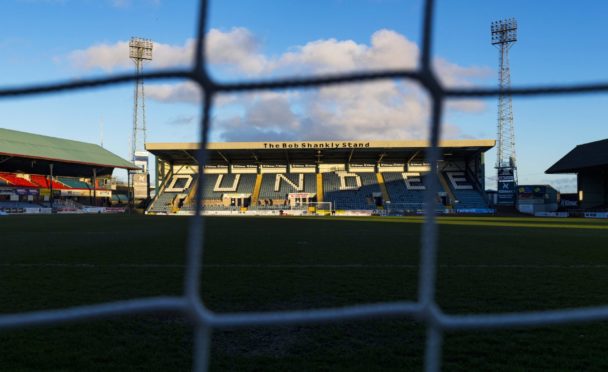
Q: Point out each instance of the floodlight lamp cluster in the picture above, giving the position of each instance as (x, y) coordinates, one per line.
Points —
(140, 49)
(504, 31)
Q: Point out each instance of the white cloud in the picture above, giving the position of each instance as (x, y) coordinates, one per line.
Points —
(106, 57)
(182, 120)
(389, 109)
(453, 75)
(237, 49)
(380, 110)
(240, 51)
(174, 93)
(388, 49)
(466, 105)
(109, 57)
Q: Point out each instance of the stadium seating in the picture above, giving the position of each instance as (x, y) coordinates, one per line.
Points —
(44, 182)
(73, 183)
(267, 191)
(470, 199)
(465, 193)
(164, 201)
(346, 191)
(350, 197)
(120, 198)
(228, 184)
(409, 195)
(13, 180)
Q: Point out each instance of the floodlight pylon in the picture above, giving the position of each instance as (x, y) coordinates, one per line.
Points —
(140, 50)
(504, 35)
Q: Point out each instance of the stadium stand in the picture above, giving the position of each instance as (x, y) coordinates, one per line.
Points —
(354, 191)
(302, 177)
(120, 199)
(164, 203)
(405, 189)
(15, 180)
(467, 197)
(74, 183)
(589, 161)
(216, 185)
(33, 164)
(174, 194)
(44, 182)
(287, 183)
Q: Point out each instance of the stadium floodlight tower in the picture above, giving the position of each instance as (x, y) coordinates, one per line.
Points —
(504, 35)
(140, 50)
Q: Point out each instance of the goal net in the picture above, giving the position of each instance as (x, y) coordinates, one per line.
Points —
(204, 321)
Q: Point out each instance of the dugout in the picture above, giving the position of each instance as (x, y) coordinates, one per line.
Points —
(36, 168)
(589, 162)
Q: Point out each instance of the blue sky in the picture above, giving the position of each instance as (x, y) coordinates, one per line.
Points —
(53, 40)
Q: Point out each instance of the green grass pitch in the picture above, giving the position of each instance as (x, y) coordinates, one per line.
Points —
(485, 265)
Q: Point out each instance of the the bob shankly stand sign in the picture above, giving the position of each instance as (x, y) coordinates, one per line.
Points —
(397, 145)
(315, 145)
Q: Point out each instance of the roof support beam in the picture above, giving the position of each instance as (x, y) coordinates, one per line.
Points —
(5, 158)
(350, 156)
(413, 156)
(223, 157)
(190, 157)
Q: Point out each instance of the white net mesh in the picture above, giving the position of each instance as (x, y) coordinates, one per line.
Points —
(191, 304)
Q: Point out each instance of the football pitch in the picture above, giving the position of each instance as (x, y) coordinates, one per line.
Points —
(486, 265)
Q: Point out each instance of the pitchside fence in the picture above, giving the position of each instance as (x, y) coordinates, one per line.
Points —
(192, 305)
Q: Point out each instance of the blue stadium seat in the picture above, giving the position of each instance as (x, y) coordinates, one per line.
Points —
(407, 198)
(355, 198)
(267, 189)
(467, 197)
(211, 197)
(163, 202)
(245, 185)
